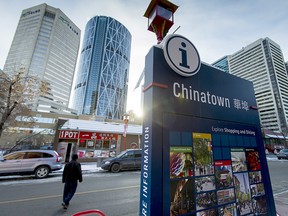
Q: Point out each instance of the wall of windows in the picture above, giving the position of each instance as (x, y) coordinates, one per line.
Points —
(97, 148)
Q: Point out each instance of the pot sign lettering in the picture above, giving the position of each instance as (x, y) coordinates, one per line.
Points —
(68, 134)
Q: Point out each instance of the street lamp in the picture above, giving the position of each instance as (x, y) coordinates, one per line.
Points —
(126, 120)
(160, 17)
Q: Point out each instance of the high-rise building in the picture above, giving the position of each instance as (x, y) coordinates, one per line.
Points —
(46, 44)
(101, 83)
(262, 63)
(222, 64)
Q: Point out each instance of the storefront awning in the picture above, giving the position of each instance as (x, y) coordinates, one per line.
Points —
(273, 135)
(105, 127)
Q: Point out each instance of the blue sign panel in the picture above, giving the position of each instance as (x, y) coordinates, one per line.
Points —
(202, 146)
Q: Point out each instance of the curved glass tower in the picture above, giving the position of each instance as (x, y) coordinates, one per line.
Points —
(100, 86)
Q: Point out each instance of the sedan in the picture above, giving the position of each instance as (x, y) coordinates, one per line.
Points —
(283, 154)
(126, 160)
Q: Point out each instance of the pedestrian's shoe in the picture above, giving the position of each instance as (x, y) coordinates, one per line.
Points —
(64, 206)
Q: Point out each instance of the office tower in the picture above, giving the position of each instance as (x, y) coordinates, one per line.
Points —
(46, 44)
(100, 86)
(262, 63)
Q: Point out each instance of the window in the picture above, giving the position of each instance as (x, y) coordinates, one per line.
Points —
(46, 155)
(15, 156)
(31, 155)
(128, 155)
(90, 144)
(106, 144)
(138, 155)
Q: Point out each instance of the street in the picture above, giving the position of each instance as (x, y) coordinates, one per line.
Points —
(279, 179)
(115, 194)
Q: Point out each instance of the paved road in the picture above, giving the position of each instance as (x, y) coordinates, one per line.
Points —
(115, 194)
(279, 179)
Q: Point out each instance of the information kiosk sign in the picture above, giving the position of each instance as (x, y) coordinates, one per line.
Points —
(203, 152)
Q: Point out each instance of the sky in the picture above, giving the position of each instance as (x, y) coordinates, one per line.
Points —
(215, 27)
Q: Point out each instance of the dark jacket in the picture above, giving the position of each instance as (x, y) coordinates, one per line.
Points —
(72, 172)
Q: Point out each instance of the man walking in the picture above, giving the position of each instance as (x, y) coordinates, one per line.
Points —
(71, 174)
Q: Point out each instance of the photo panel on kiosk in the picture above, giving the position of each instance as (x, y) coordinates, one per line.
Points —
(203, 152)
(212, 171)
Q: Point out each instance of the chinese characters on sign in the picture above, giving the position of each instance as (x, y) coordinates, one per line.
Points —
(241, 104)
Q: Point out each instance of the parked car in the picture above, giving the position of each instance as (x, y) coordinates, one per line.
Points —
(126, 160)
(278, 148)
(37, 162)
(283, 154)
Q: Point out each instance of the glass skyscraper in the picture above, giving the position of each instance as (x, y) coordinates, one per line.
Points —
(46, 44)
(101, 83)
(222, 64)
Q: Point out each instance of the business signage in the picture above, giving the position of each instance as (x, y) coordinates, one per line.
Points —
(30, 13)
(98, 136)
(67, 134)
(202, 147)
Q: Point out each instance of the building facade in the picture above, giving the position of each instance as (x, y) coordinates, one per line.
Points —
(222, 64)
(262, 63)
(46, 44)
(94, 140)
(101, 83)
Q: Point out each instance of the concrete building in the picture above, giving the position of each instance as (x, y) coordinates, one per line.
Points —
(262, 63)
(101, 83)
(46, 44)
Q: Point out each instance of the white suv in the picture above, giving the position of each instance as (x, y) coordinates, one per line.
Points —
(37, 162)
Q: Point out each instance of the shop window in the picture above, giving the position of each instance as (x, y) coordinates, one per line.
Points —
(98, 144)
(113, 144)
(97, 148)
(90, 144)
(82, 144)
(106, 144)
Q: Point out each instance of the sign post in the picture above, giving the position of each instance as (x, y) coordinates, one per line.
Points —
(203, 152)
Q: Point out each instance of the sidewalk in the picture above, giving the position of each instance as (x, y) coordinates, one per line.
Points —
(87, 167)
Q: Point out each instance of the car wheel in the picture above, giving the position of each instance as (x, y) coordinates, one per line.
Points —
(42, 172)
(115, 168)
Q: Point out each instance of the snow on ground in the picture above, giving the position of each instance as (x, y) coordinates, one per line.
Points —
(87, 168)
(273, 157)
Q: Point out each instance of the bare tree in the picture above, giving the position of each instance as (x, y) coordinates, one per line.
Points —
(16, 94)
